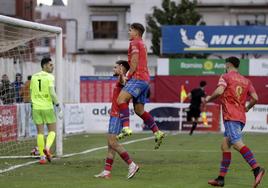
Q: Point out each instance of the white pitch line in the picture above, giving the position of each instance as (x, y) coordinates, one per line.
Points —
(17, 166)
(18, 157)
(104, 147)
(73, 154)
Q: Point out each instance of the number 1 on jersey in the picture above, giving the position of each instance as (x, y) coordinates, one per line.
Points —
(39, 84)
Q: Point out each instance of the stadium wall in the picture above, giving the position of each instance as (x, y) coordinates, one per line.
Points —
(16, 122)
(171, 86)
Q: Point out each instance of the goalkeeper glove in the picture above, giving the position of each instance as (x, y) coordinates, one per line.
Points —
(59, 112)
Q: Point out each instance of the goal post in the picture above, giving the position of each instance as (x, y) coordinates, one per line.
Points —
(21, 51)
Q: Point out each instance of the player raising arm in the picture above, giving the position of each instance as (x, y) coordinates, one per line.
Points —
(115, 127)
(137, 85)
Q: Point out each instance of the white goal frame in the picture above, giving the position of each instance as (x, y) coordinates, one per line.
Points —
(58, 65)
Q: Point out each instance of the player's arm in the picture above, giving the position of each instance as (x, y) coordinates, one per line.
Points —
(218, 92)
(134, 61)
(222, 84)
(133, 64)
(51, 89)
(56, 102)
(203, 103)
(253, 98)
(121, 76)
(53, 95)
(189, 96)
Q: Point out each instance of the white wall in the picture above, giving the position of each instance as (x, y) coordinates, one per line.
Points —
(54, 11)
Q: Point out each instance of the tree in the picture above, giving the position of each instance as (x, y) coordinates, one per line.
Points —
(172, 14)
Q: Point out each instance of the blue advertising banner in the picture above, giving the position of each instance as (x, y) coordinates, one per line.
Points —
(197, 39)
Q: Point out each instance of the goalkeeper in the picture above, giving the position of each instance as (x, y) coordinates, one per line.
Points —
(43, 97)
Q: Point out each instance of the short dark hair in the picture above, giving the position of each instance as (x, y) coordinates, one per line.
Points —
(233, 60)
(45, 60)
(123, 63)
(202, 83)
(139, 27)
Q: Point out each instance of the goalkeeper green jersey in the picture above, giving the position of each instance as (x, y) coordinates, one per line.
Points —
(41, 83)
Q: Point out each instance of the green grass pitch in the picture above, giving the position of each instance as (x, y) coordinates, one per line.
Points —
(182, 161)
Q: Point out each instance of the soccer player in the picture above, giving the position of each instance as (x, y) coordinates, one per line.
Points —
(43, 97)
(137, 85)
(197, 97)
(120, 69)
(234, 89)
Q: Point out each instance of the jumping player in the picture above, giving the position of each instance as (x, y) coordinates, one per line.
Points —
(137, 85)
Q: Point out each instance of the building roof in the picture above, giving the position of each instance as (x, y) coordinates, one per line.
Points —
(58, 3)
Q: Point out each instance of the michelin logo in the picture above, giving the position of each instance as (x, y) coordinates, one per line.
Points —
(240, 39)
(197, 42)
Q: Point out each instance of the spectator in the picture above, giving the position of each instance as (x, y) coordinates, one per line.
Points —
(25, 90)
(18, 84)
(7, 93)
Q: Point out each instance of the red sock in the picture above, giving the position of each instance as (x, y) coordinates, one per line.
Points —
(108, 164)
(249, 157)
(149, 121)
(124, 114)
(126, 157)
(225, 163)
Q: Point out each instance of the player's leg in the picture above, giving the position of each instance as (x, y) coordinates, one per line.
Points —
(225, 163)
(115, 127)
(37, 118)
(149, 122)
(246, 153)
(50, 120)
(147, 118)
(132, 89)
(194, 125)
(106, 173)
(113, 146)
(41, 142)
(132, 166)
(123, 103)
(195, 113)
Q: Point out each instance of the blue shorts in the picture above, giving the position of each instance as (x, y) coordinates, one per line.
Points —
(115, 125)
(138, 89)
(233, 130)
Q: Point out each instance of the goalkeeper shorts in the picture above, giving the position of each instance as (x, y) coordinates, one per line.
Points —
(41, 117)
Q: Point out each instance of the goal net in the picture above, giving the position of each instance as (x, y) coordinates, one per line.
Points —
(22, 46)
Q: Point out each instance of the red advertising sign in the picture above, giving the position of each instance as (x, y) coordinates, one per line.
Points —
(8, 123)
(213, 117)
(100, 88)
